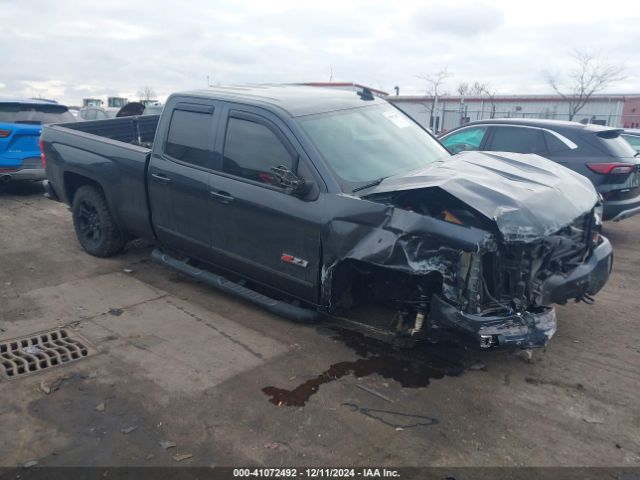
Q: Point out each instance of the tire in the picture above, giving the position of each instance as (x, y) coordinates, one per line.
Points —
(95, 228)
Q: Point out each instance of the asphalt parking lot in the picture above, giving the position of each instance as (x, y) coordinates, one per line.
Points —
(177, 373)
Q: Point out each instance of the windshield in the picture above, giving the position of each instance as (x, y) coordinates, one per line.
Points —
(366, 144)
(36, 114)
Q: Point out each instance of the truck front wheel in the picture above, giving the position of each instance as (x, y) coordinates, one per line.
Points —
(95, 228)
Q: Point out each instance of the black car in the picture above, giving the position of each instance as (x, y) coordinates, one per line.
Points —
(599, 153)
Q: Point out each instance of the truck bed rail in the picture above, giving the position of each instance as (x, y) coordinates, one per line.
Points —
(139, 130)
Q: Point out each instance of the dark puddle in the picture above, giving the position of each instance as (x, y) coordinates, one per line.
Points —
(411, 368)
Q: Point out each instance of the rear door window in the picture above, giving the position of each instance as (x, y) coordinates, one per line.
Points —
(251, 149)
(518, 140)
(189, 137)
(465, 139)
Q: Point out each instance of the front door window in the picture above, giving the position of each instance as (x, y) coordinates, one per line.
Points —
(465, 139)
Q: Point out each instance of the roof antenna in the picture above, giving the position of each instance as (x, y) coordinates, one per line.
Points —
(365, 94)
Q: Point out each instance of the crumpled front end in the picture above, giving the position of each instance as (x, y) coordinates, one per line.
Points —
(504, 297)
(417, 263)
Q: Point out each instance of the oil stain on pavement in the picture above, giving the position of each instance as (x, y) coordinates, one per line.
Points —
(411, 368)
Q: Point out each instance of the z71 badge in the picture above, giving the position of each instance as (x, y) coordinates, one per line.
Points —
(294, 260)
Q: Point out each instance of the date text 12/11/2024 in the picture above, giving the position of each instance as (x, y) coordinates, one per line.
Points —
(315, 473)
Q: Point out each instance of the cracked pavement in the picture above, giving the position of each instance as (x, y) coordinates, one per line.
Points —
(185, 364)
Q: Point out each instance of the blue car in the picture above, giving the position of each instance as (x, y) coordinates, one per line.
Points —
(20, 125)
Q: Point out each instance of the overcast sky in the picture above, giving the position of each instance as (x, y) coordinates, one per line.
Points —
(70, 49)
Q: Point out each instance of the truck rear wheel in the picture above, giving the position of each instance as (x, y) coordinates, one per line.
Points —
(95, 228)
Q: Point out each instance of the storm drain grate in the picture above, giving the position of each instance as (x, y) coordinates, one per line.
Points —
(40, 351)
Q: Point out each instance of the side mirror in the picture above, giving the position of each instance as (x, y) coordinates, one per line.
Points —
(290, 182)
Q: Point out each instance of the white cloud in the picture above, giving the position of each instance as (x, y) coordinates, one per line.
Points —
(68, 50)
(464, 19)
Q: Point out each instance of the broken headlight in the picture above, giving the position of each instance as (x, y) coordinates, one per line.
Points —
(597, 223)
(597, 215)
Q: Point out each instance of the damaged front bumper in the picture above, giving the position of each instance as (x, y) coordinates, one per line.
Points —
(518, 330)
(586, 279)
(533, 327)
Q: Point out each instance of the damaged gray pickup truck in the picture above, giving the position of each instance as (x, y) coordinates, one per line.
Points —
(313, 202)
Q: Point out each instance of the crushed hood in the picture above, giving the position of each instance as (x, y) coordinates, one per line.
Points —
(527, 196)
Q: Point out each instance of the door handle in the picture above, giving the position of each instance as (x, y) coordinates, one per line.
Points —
(222, 197)
(160, 177)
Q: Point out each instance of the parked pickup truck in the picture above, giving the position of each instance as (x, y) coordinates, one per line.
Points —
(315, 203)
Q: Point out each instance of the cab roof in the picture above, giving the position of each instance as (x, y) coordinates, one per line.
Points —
(295, 100)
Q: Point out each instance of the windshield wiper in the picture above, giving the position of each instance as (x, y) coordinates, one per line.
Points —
(378, 181)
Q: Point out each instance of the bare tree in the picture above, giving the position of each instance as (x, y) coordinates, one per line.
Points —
(434, 81)
(485, 90)
(476, 89)
(491, 95)
(479, 89)
(463, 89)
(590, 74)
(146, 93)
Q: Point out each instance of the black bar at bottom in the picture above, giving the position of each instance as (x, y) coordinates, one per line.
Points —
(260, 473)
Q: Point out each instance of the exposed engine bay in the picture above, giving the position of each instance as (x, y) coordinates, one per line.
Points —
(436, 264)
(506, 280)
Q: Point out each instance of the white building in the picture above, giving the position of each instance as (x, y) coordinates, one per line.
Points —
(450, 111)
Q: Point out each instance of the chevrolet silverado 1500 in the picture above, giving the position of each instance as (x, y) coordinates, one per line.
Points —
(315, 202)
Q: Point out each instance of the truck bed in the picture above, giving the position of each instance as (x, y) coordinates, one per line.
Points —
(113, 153)
(135, 130)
